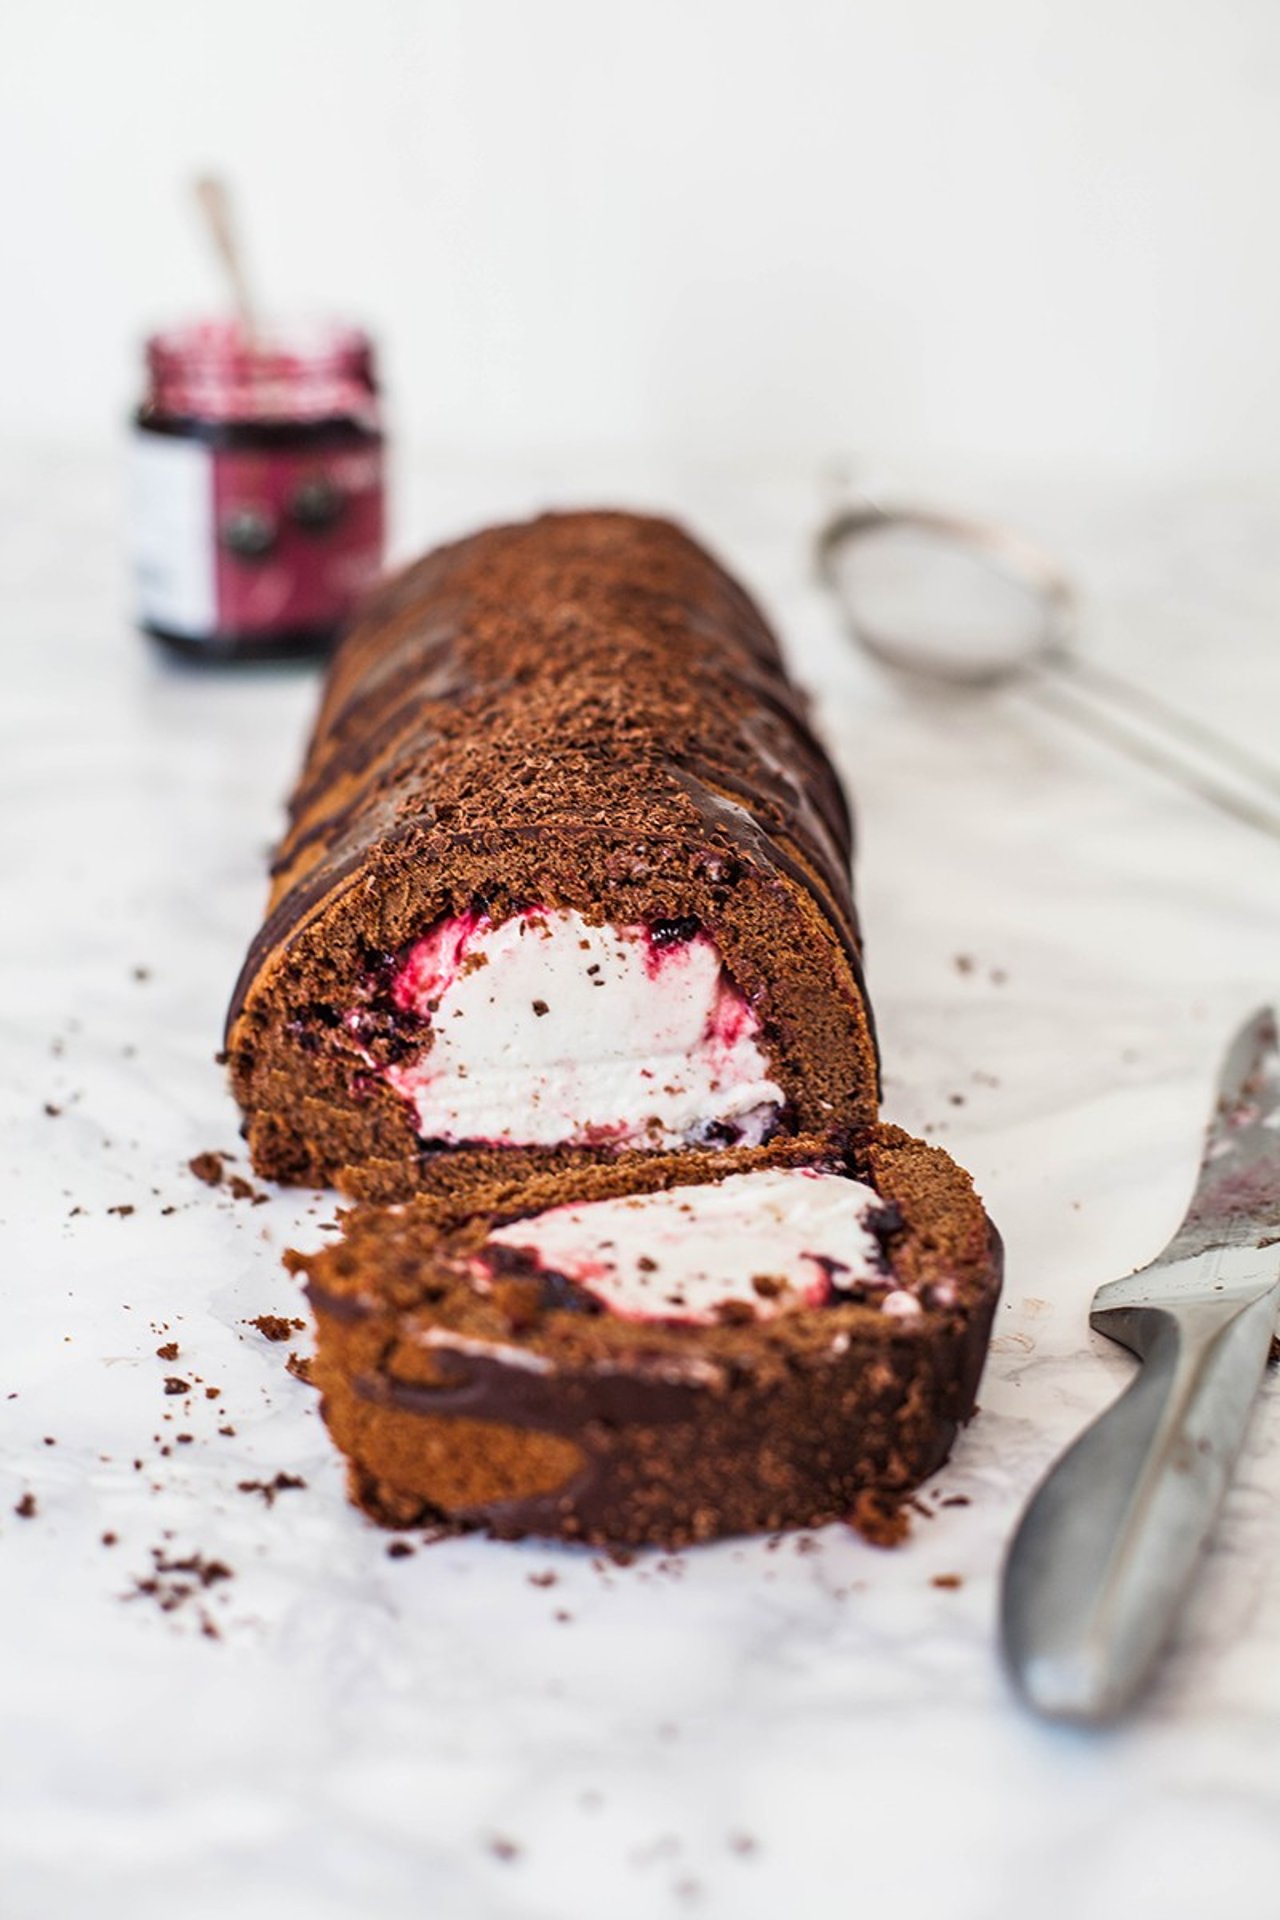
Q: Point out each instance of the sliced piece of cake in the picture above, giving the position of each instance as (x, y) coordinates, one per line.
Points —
(661, 1349)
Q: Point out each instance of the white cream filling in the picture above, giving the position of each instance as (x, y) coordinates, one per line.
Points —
(548, 1031)
(771, 1241)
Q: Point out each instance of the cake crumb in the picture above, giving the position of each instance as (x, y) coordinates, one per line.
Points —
(26, 1508)
(546, 1579)
(502, 1848)
(400, 1550)
(300, 1365)
(169, 1351)
(174, 1384)
(948, 1581)
(283, 1483)
(241, 1189)
(274, 1326)
(173, 1582)
(208, 1167)
(122, 1212)
(881, 1520)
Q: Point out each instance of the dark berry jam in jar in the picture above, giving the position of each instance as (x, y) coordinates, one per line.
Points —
(258, 515)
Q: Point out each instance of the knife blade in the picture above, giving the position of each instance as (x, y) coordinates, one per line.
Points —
(1108, 1544)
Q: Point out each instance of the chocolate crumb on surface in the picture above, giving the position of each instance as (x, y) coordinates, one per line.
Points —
(177, 1581)
(241, 1189)
(881, 1520)
(174, 1384)
(282, 1483)
(122, 1212)
(26, 1508)
(947, 1581)
(502, 1848)
(400, 1549)
(169, 1351)
(274, 1326)
(300, 1366)
(208, 1167)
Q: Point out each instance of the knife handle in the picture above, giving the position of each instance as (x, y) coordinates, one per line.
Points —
(1105, 1550)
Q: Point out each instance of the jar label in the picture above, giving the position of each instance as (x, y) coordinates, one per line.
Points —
(245, 543)
(173, 534)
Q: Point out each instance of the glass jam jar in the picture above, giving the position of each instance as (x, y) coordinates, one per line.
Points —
(258, 488)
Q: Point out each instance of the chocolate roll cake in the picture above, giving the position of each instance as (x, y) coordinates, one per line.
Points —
(658, 1349)
(566, 882)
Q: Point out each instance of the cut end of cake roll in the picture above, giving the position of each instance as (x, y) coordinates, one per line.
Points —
(566, 881)
(658, 1350)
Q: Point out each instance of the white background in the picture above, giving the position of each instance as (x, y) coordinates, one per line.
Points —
(1005, 227)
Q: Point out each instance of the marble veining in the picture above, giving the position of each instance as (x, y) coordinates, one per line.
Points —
(1059, 947)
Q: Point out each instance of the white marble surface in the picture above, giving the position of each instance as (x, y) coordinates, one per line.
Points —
(812, 1728)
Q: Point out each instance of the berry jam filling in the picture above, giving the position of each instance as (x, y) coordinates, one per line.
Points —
(749, 1247)
(546, 1030)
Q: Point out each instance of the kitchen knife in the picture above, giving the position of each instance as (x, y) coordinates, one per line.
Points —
(1109, 1542)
